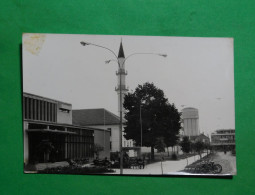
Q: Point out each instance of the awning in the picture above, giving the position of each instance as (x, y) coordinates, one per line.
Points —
(50, 131)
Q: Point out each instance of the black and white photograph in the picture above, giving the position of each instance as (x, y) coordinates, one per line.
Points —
(128, 105)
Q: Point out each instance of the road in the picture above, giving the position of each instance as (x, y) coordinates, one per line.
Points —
(227, 161)
(169, 167)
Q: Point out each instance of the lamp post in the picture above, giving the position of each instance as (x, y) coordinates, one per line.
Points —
(142, 102)
(120, 88)
(141, 125)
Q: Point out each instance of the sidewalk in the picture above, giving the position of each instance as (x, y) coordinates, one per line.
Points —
(169, 167)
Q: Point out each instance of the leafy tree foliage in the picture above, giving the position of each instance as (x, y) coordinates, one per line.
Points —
(199, 146)
(45, 147)
(159, 117)
(185, 145)
(171, 141)
(160, 144)
(97, 149)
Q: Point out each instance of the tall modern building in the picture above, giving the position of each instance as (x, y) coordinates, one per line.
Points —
(190, 121)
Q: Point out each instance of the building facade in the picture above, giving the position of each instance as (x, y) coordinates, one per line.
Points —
(223, 139)
(49, 134)
(200, 138)
(190, 119)
(105, 120)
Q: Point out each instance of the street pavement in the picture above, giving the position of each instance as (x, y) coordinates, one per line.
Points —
(227, 161)
(169, 167)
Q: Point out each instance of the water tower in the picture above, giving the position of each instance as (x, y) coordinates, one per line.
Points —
(190, 121)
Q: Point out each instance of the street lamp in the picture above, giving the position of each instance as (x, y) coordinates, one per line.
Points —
(158, 54)
(120, 97)
(141, 125)
(121, 123)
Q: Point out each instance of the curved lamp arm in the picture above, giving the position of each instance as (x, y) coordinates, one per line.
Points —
(86, 43)
(158, 54)
(108, 61)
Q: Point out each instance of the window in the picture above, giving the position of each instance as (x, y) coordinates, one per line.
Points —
(48, 111)
(25, 107)
(37, 109)
(110, 131)
(64, 110)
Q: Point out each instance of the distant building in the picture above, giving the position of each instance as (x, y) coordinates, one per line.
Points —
(105, 120)
(223, 139)
(201, 138)
(190, 119)
(49, 134)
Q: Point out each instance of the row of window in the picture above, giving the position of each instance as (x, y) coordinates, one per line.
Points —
(127, 144)
(82, 132)
(79, 139)
(223, 137)
(226, 131)
(79, 150)
(79, 145)
(225, 141)
(35, 109)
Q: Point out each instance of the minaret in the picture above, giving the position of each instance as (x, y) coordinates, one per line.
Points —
(121, 75)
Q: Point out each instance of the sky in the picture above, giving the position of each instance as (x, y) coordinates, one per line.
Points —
(197, 72)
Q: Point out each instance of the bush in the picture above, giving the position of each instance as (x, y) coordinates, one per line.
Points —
(76, 170)
(233, 152)
(114, 156)
(174, 156)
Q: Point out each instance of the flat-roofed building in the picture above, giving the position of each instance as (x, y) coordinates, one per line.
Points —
(200, 138)
(223, 139)
(102, 119)
(50, 136)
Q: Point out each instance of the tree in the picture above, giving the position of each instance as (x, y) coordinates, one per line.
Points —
(208, 147)
(45, 147)
(159, 117)
(171, 141)
(186, 146)
(199, 146)
(97, 149)
(160, 146)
